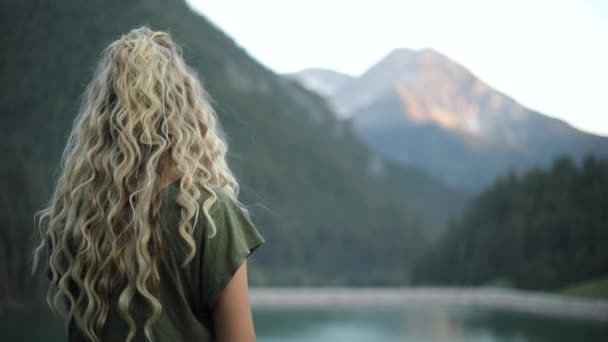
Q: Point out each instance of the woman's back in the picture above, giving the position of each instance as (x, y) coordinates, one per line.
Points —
(187, 294)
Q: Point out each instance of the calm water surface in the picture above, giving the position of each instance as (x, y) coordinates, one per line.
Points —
(418, 324)
(421, 325)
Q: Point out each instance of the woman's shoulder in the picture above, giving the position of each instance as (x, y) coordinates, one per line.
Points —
(220, 193)
(224, 201)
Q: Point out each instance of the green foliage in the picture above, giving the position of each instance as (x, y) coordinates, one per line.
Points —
(499, 282)
(588, 289)
(16, 214)
(545, 229)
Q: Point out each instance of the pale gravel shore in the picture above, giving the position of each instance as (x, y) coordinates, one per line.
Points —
(514, 300)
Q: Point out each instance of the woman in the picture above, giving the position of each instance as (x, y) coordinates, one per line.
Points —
(144, 234)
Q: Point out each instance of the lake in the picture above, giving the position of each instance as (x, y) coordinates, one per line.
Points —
(417, 324)
(421, 324)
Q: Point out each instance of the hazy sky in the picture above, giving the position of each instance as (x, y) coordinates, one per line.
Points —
(551, 56)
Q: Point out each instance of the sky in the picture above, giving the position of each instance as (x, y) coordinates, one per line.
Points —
(551, 56)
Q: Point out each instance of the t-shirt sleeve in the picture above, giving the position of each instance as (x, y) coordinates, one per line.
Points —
(235, 239)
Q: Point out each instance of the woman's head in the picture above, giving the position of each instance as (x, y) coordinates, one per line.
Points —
(144, 117)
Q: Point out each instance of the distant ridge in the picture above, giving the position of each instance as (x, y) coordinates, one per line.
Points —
(324, 81)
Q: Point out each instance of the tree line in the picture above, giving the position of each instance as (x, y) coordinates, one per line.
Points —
(543, 229)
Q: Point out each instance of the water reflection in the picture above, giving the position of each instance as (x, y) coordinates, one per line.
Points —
(412, 324)
(420, 324)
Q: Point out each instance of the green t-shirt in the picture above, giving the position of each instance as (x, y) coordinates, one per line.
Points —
(188, 293)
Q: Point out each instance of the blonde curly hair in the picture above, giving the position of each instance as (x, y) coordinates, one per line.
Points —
(144, 115)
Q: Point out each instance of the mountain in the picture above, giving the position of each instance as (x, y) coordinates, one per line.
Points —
(333, 212)
(421, 108)
(322, 81)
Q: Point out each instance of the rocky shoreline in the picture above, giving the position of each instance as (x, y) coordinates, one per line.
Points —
(507, 299)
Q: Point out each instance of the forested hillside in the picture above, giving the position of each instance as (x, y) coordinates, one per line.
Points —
(545, 229)
(332, 211)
